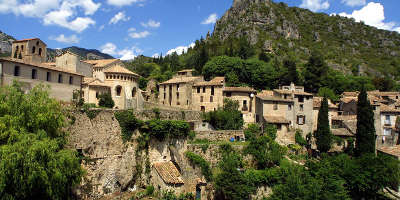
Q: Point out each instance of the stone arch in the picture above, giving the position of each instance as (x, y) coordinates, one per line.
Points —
(33, 50)
(40, 51)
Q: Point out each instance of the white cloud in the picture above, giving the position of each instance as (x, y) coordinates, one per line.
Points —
(63, 39)
(210, 19)
(156, 55)
(64, 13)
(138, 35)
(101, 27)
(315, 5)
(372, 14)
(179, 50)
(124, 54)
(151, 23)
(120, 3)
(131, 29)
(353, 3)
(119, 17)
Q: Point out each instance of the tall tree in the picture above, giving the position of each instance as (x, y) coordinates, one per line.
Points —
(291, 75)
(323, 134)
(365, 136)
(315, 72)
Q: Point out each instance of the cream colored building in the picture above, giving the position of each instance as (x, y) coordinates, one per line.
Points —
(27, 66)
(333, 111)
(177, 92)
(116, 80)
(289, 107)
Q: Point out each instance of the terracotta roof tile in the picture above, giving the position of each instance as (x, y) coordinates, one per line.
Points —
(292, 92)
(318, 100)
(276, 120)
(168, 172)
(217, 81)
(388, 109)
(394, 150)
(345, 117)
(24, 40)
(273, 98)
(185, 79)
(239, 89)
(119, 69)
(341, 132)
(93, 82)
(40, 65)
(101, 63)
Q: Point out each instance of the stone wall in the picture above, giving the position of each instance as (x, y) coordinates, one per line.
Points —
(166, 114)
(224, 135)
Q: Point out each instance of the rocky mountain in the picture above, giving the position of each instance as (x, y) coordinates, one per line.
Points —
(87, 54)
(281, 30)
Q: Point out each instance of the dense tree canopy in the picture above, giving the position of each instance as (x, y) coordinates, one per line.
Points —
(33, 163)
(365, 135)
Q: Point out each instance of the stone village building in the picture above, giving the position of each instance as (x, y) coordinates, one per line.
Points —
(70, 73)
(27, 65)
(288, 107)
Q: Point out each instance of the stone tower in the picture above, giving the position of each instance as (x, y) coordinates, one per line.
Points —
(29, 50)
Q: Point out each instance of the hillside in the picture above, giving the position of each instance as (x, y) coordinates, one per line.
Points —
(281, 30)
(6, 43)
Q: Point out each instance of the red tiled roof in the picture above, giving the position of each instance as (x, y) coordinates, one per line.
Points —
(168, 172)
(101, 63)
(185, 79)
(24, 40)
(40, 65)
(276, 120)
(217, 81)
(341, 132)
(119, 69)
(239, 89)
(394, 150)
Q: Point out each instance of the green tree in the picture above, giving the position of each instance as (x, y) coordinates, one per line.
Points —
(323, 133)
(266, 152)
(328, 93)
(365, 135)
(291, 76)
(245, 49)
(227, 118)
(33, 163)
(315, 71)
(105, 100)
(143, 83)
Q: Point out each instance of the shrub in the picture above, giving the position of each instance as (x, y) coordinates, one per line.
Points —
(198, 160)
(149, 190)
(251, 132)
(162, 129)
(271, 131)
(157, 113)
(105, 100)
(128, 123)
(227, 118)
(87, 108)
(300, 139)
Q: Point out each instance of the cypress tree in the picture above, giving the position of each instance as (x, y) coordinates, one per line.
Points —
(323, 134)
(365, 135)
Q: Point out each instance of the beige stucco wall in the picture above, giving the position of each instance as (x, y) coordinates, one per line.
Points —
(249, 114)
(218, 100)
(185, 95)
(61, 91)
(332, 113)
(72, 62)
(89, 93)
(125, 100)
(27, 55)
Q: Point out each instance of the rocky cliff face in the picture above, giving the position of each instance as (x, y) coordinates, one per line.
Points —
(113, 166)
(282, 30)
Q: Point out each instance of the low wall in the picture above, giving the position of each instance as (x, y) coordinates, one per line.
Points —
(224, 135)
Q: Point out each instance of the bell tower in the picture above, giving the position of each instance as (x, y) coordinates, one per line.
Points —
(29, 50)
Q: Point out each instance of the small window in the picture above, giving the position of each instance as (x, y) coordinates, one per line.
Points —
(201, 99)
(134, 92)
(211, 99)
(279, 127)
(22, 47)
(301, 119)
(34, 74)
(71, 80)
(203, 109)
(301, 107)
(301, 99)
(228, 94)
(97, 95)
(177, 87)
(16, 71)
(37, 43)
(275, 105)
(164, 95)
(198, 89)
(285, 96)
(48, 76)
(40, 51)
(33, 50)
(289, 107)
(204, 89)
(118, 89)
(165, 87)
(177, 95)
(60, 78)
(212, 90)
(387, 131)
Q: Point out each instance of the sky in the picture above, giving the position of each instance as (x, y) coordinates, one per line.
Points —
(127, 28)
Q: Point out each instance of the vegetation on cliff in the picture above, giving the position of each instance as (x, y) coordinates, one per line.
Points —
(33, 162)
(227, 118)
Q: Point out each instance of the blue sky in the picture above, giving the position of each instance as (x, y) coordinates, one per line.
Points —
(126, 28)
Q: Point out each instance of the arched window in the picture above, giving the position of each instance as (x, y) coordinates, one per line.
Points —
(134, 92)
(33, 49)
(37, 43)
(40, 51)
(118, 89)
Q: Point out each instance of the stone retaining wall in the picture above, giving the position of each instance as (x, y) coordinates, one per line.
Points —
(224, 135)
